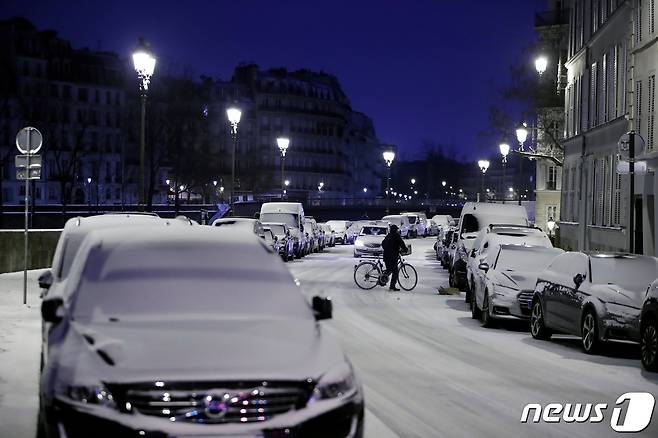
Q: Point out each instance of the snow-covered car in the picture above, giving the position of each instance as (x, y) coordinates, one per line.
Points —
(402, 223)
(271, 240)
(250, 223)
(291, 214)
(442, 222)
(340, 230)
(649, 329)
(369, 241)
(354, 230)
(418, 221)
(507, 281)
(284, 237)
(474, 217)
(329, 235)
(313, 235)
(444, 242)
(597, 296)
(176, 334)
(494, 235)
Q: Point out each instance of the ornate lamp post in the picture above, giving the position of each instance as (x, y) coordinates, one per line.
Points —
(521, 136)
(540, 64)
(389, 156)
(144, 63)
(282, 143)
(483, 165)
(233, 115)
(504, 151)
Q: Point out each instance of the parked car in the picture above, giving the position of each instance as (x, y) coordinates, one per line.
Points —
(283, 235)
(649, 328)
(507, 279)
(291, 214)
(354, 230)
(313, 235)
(494, 235)
(474, 217)
(117, 364)
(597, 296)
(329, 235)
(254, 225)
(402, 223)
(418, 221)
(271, 240)
(369, 241)
(340, 230)
(443, 222)
(444, 241)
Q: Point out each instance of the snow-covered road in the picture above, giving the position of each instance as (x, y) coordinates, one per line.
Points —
(429, 370)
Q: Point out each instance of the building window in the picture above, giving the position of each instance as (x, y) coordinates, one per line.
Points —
(638, 22)
(551, 178)
(594, 97)
(616, 199)
(652, 22)
(638, 105)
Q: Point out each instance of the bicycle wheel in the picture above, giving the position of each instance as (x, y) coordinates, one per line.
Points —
(366, 275)
(408, 277)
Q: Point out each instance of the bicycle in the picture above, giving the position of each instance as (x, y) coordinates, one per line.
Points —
(370, 273)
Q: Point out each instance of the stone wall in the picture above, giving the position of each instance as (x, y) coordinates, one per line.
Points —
(42, 245)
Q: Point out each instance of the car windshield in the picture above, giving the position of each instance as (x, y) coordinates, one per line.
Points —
(632, 273)
(277, 229)
(338, 226)
(184, 280)
(412, 219)
(524, 259)
(373, 231)
(289, 219)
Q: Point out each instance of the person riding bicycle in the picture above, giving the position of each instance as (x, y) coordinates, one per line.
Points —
(392, 245)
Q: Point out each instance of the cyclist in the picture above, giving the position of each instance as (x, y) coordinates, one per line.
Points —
(392, 244)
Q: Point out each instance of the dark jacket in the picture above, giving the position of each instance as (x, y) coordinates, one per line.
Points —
(392, 245)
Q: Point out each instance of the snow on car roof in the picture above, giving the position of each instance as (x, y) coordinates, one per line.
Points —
(89, 223)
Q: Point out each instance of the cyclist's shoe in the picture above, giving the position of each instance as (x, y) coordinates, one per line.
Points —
(394, 289)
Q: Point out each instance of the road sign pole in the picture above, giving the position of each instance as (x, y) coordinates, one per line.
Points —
(631, 175)
(27, 212)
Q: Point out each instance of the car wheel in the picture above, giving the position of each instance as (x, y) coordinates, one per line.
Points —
(649, 343)
(486, 319)
(590, 333)
(538, 328)
(476, 313)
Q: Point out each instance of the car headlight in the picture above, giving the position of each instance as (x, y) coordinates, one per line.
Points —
(339, 381)
(93, 395)
(359, 243)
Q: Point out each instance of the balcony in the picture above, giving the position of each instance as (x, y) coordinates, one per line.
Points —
(555, 17)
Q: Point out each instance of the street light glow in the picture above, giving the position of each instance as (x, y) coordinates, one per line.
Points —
(522, 133)
(540, 64)
(550, 224)
(511, 189)
(389, 156)
(483, 165)
(144, 63)
(234, 116)
(504, 150)
(413, 180)
(214, 183)
(283, 143)
(88, 180)
(167, 181)
(365, 190)
(286, 182)
(443, 183)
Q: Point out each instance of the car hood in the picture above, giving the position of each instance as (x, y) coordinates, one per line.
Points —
(521, 280)
(371, 239)
(619, 295)
(232, 348)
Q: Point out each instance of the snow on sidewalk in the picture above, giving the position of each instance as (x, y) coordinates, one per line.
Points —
(20, 342)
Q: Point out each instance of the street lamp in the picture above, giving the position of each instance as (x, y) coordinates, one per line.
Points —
(389, 156)
(540, 64)
(167, 181)
(443, 183)
(282, 143)
(365, 190)
(504, 150)
(233, 115)
(144, 63)
(483, 165)
(413, 181)
(550, 223)
(522, 134)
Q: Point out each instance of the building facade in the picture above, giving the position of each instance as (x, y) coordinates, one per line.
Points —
(610, 91)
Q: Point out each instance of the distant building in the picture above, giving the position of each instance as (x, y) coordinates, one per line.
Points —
(610, 91)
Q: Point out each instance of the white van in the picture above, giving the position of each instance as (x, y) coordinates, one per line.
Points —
(474, 217)
(401, 221)
(418, 220)
(291, 214)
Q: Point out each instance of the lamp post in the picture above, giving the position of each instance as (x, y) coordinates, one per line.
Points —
(282, 143)
(233, 115)
(504, 150)
(550, 223)
(144, 63)
(483, 165)
(541, 62)
(389, 156)
(521, 136)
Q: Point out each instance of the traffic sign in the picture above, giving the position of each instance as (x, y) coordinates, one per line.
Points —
(21, 172)
(623, 167)
(21, 161)
(29, 140)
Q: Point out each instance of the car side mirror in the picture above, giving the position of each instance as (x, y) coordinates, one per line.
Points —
(52, 310)
(46, 279)
(578, 279)
(483, 266)
(322, 307)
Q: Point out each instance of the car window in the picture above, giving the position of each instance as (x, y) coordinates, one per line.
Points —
(373, 231)
(570, 264)
(470, 224)
(630, 272)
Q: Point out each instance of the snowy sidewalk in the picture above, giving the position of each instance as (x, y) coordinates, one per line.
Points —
(20, 339)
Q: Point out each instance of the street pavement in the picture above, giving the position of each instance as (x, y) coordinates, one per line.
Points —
(427, 368)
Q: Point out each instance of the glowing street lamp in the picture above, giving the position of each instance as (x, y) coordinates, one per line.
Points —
(389, 156)
(144, 63)
(443, 183)
(413, 181)
(540, 64)
(282, 143)
(522, 134)
(483, 165)
(233, 114)
(365, 190)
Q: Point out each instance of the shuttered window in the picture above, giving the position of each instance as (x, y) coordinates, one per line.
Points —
(651, 107)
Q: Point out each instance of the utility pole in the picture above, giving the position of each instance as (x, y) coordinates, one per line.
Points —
(631, 175)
